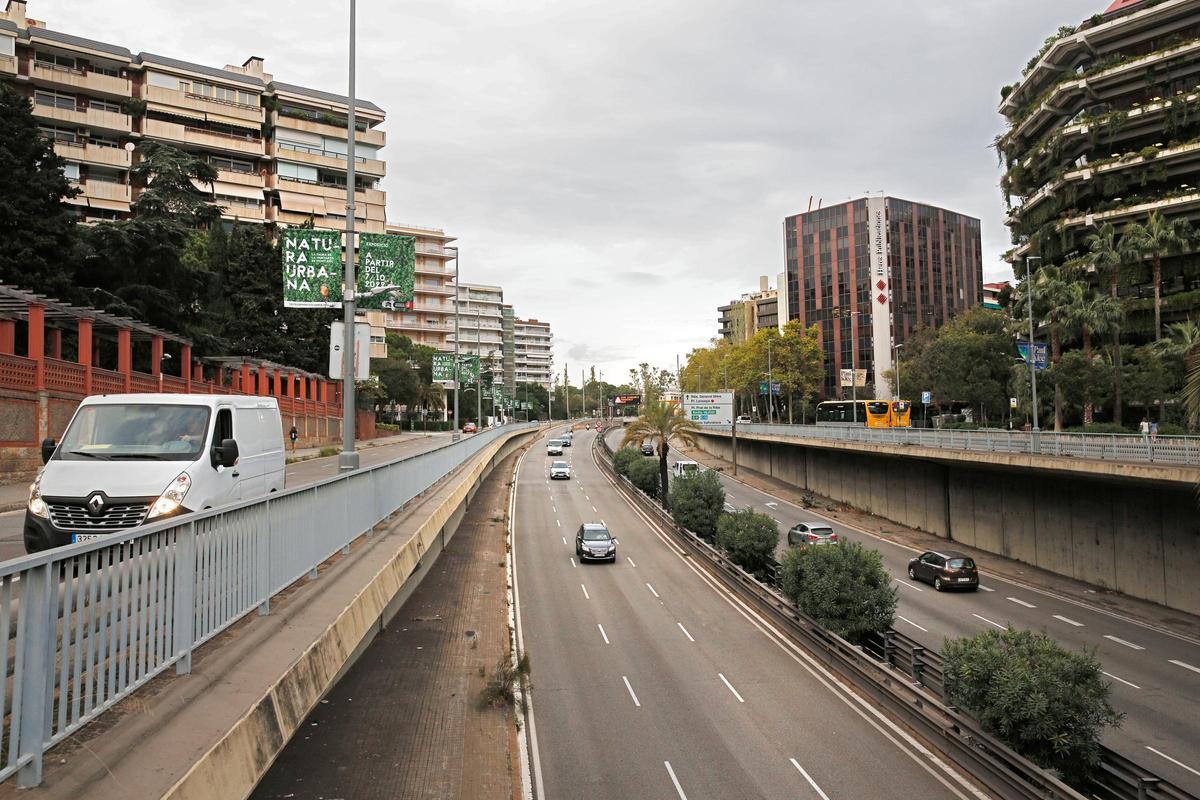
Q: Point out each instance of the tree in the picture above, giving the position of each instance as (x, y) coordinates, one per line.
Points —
(697, 502)
(37, 229)
(843, 587)
(1108, 257)
(168, 177)
(749, 538)
(1055, 297)
(1191, 389)
(1048, 703)
(1093, 314)
(965, 361)
(644, 476)
(799, 361)
(1146, 377)
(665, 423)
(623, 458)
(252, 282)
(1155, 238)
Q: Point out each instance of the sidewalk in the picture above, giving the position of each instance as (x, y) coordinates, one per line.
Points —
(1168, 619)
(305, 453)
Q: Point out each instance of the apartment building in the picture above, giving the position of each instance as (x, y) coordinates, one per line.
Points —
(430, 321)
(533, 345)
(1103, 128)
(508, 365)
(280, 150)
(741, 319)
(480, 324)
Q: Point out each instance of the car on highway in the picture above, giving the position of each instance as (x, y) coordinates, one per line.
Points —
(560, 469)
(554, 447)
(685, 467)
(811, 533)
(469, 428)
(593, 542)
(567, 439)
(647, 448)
(945, 569)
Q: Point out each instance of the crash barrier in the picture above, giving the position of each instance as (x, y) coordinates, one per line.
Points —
(84, 626)
(906, 679)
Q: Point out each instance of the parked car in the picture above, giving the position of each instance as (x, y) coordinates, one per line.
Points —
(560, 469)
(810, 533)
(945, 569)
(647, 448)
(593, 542)
(469, 428)
(554, 447)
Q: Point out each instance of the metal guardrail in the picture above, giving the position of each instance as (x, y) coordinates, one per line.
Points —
(873, 668)
(86, 625)
(1173, 450)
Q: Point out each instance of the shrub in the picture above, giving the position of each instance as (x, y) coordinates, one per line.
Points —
(1171, 429)
(697, 502)
(1048, 703)
(749, 538)
(326, 452)
(843, 587)
(623, 458)
(1100, 427)
(644, 474)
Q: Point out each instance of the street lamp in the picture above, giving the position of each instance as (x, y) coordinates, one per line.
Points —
(838, 313)
(348, 458)
(896, 361)
(1032, 351)
(454, 437)
(770, 387)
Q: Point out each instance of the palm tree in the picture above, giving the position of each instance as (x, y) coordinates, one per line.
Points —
(1108, 257)
(1191, 389)
(1057, 295)
(1158, 237)
(1094, 315)
(666, 423)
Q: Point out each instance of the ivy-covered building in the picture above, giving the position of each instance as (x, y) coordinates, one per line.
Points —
(1104, 127)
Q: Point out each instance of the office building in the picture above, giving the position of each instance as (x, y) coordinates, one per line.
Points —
(741, 319)
(991, 294)
(869, 271)
(430, 321)
(1103, 128)
(534, 352)
(279, 149)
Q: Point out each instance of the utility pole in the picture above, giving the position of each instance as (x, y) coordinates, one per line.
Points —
(1032, 350)
(478, 373)
(455, 436)
(550, 397)
(567, 389)
(583, 388)
(770, 386)
(348, 458)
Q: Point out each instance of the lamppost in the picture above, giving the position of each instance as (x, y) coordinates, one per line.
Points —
(770, 387)
(896, 360)
(348, 458)
(1032, 359)
(479, 371)
(838, 313)
(454, 437)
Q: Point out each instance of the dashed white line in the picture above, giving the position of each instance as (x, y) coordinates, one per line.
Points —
(1122, 680)
(989, 622)
(1130, 645)
(808, 778)
(631, 694)
(685, 631)
(651, 588)
(585, 594)
(1184, 665)
(1021, 602)
(554, 508)
(985, 589)
(675, 780)
(1173, 761)
(602, 633)
(730, 687)
(594, 510)
(1068, 620)
(558, 522)
(910, 622)
(564, 540)
(909, 585)
(630, 560)
(573, 562)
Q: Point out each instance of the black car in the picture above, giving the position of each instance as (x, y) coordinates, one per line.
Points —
(945, 569)
(593, 542)
(647, 448)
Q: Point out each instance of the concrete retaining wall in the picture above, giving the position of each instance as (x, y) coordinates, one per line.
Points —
(1136, 537)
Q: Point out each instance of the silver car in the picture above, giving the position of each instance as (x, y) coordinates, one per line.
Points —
(560, 469)
(593, 542)
(554, 447)
(806, 534)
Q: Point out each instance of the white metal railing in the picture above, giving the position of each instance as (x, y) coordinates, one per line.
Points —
(84, 626)
(1174, 450)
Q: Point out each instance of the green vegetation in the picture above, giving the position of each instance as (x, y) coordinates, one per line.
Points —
(623, 458)
(749, 538)
(1048, 703)
(844, 588)
(665, 424)
(644, 475)
(697, 502)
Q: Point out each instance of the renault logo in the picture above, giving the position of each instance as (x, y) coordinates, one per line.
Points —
(95, 504)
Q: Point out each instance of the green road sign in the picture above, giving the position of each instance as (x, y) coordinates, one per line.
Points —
(443, 366)
(386, 260)
(312, 268)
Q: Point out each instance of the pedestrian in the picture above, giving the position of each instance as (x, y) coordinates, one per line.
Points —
(1154, 432)
(1144, 428)
(293, 434)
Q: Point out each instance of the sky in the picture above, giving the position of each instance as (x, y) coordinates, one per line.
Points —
(621, 168)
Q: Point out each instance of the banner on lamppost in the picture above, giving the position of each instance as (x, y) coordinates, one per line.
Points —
(468, 368)
(1041, 353)
(443, 367)
(776, 388)
(386, 260)
(312, 268)
(854, 377)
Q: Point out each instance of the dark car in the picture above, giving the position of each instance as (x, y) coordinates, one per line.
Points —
(469, 427)
(811, 533)
(647, 448)
(945, 569)
(593, 542)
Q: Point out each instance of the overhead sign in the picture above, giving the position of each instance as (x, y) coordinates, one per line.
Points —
(709, 409)
(362, 350)
(627, 399)
(312, 268)
(851, 377)
(386, 260)
(1041, 353)
(443, 367)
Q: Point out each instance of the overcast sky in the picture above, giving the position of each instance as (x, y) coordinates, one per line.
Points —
(622, 168)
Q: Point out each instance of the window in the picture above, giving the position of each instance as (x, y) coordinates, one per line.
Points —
(59, 135)
(104, 105)
(224, 427)
(66, 102)
(55, 61)
(223, 94)
(71, 171)
(231, 164)
(240, 202)
(8, 46)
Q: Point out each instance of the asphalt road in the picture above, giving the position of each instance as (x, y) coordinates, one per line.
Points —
(1155, 675)
(648, 681)
(301, 473)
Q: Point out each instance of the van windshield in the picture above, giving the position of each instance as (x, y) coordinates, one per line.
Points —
(136, 431)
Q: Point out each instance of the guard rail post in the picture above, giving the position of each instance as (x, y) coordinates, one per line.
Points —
(262, 575)
(1145, 785)
(33, 676)
(918, 665)
(889, 647)
(185, 599)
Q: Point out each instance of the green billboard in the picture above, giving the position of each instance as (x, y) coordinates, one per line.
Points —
(443, 366)
(312, 268)
(469, 368)
(386, 260)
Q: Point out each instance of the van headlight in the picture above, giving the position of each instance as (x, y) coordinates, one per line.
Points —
(37, 506)
(172, 498)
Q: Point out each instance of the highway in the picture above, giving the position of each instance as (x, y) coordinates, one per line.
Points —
(649, 680)
(1155, 675)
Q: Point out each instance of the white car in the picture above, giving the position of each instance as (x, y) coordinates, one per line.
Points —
(743, 420)
(554, 447)
(560, 469)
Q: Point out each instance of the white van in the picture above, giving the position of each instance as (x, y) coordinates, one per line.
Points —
(685, 467)
(126, 459)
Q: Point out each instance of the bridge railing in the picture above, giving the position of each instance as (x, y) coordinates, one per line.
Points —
(1173, 450)
(86, 625)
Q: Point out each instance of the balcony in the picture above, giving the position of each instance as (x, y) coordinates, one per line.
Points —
(93, 154)
(8, 65)
(84, 80)
(370, 197)
(104, 190)
(248, 213)
(328, 159)
(240, 178)
(183, 134)
(219, 110)
(374, 137)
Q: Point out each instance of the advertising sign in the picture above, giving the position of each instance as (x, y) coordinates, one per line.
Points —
(776, 388)
(443, 367)
(850, 378)
(468, 368)
(362, 350)
(709, 409)
(627, 399)
(1041, 352)
(312, 268)
(879, 250)
(386, 260)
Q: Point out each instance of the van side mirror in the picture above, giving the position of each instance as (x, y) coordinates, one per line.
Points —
(47, 449)
(226, 455)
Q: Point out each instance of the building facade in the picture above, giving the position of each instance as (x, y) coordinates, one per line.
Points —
(991, 294)
(740, 319)
(280, 150)
(1103, 127)
(480, 324)
(534, 352)
(869, 271)
(508, 365)
(430, 321)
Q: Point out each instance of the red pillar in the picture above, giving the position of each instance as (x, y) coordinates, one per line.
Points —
(279, 390)
(8, 336)
(246, 386)
(262, 380)
(37, 342)
(325, 392)
(302, 387)
(54, 343)
(156, 356)
(85, 353)
(185, 366)
(125, 356)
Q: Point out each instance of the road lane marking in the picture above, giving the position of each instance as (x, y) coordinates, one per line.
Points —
(602, 633)
(685, 631)
(573, 561)
(909, 585)
(1130, 645)
(730, 687)
(675, 781)
(558, 522)
(986, 589)
(1184, 665)
(631, 694)
(1122, 680)
(651, 588)
(808, 778)
(1021, 602)
(630, 560)
(594, 510)
(585, 594)
(564, 540)
(910, 622)
(772, 505)
(989, 622)
(554, 508)
(1067, 620)
(1173, 761)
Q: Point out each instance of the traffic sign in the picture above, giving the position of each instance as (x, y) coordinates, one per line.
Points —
(926, 397)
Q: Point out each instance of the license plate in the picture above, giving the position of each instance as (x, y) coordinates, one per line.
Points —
(964, 580)
(85, 537)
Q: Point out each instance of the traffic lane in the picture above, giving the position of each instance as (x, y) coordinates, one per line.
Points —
(777, 704)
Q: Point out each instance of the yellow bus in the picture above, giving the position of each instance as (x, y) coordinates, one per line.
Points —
(870, 413)
(901, 414)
